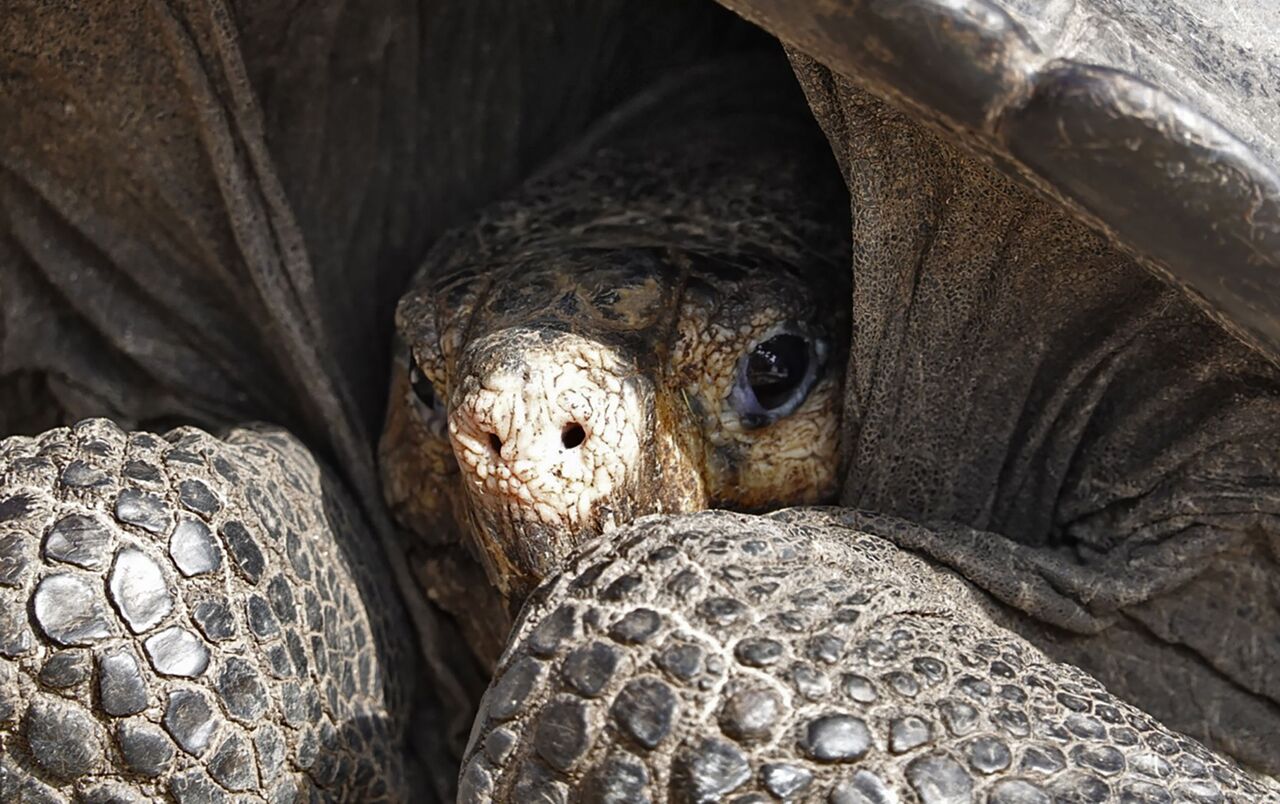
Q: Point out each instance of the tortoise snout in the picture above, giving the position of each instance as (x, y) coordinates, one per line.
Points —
(526, 431)
(547, 430)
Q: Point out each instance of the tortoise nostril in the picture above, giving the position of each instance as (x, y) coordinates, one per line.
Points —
(495, 443)
(572, 435)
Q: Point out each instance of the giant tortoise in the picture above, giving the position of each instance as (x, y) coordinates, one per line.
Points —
(1043, 399)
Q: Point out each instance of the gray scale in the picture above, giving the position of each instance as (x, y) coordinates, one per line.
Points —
(232, 764)
(177, 651)
(910, 708)
(214, 619)
(190, 720)
(785, 780)
(81, 475)
(124, 609)
(146, 749)
(562, 733)
(989, 755)
(143, 509)
(638, 625)
(751, 713)
(193, 549)
(644, 710)
(64, 740)
(242, 690)
(907, 733)
(758, 652)
(864, 787)
(710, 767)
(122, 689)
(138, 589)
(588, 668)
(65, 669)
(195, 495)
(240, 543)
(78, 539)
(835, 738)
(71, 611)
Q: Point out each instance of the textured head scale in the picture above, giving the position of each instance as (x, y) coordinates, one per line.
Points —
(655, 325)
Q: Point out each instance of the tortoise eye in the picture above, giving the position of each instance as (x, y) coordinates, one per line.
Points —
(775, 377)
(422, 387)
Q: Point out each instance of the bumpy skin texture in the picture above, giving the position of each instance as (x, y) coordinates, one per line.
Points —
(1074, 436)
(620, 292)
(722, 657)
(114, 220)
(196, 618)
(1078, 437)
(209, 208)
(1153, 119)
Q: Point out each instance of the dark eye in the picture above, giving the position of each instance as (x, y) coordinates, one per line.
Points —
(422, 387)
(775, 377)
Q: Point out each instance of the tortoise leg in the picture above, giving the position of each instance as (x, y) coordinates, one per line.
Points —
(788, 657)
(192, 617)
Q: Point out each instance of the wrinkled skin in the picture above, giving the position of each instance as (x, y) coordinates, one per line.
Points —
(208, 210)
(710, 657)
(1077, 438)
(621, 295)
(201, 209)
(1084, 441)
(186, 617)
(1081, 440)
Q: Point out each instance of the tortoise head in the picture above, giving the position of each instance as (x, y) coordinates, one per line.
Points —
(550, 398)
(656, 323)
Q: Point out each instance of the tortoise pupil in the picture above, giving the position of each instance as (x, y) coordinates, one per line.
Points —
(776, 367)
(422, 387)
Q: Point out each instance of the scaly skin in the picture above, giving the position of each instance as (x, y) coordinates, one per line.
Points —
(711, 657)
(689, 659)
(99, 199)
(619, 292)
(192, 617)
(1146, 474)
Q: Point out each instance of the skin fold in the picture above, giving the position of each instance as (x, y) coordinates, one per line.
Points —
(575, 359)
(209, 210)
(1071, 435)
